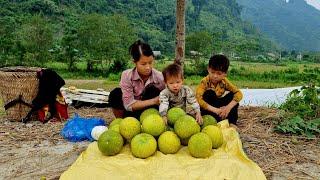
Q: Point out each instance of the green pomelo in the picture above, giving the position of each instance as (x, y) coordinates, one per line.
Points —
(174, 114)
(154, 125)
(200, 145)
(115, 127)
(148, 112)
(186, 126)
(129, 127)
(215, 134)
(143, 145)
(169, 142)
(110, 143)
(208, 120)
(115, 121)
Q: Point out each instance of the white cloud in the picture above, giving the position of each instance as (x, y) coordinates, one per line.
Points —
(314, 3)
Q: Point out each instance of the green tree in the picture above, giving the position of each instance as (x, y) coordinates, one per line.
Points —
(70, 43)
(93, 37)
(36, 37)
(105, 38)
(199, 41)
(46, 7)
(123, 36)
(7, 42)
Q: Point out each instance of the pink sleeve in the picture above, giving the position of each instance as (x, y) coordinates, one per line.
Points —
(127, 90)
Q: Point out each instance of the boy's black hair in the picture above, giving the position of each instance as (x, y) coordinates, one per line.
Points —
(172, 70)
(219, 62)
(139, 48)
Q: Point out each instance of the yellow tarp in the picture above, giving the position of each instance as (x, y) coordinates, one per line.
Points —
(227, 162)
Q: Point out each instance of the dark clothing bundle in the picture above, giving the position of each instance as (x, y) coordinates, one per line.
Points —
(49, 87)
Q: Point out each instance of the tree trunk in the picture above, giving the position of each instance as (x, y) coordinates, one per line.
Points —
(180, 32)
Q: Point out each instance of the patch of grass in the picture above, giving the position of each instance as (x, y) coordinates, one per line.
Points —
(261, 84)
(291, 75)
(243, 83)
(243, 74)
(2, 112)
(56, 65)
(92, 84)
(256, 67)
(193, 80)
(267, 67)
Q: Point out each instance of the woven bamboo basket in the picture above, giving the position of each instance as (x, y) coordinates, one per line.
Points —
(15, 82)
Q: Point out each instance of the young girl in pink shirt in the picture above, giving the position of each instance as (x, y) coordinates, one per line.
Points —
(140, 86)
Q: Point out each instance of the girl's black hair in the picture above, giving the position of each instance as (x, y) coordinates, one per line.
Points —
(138, 49)
(219, 62)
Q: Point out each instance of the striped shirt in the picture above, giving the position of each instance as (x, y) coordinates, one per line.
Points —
(182, 99)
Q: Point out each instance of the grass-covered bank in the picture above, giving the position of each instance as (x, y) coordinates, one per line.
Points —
(243, 74)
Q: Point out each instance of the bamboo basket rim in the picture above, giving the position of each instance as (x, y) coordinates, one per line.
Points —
(20, 69)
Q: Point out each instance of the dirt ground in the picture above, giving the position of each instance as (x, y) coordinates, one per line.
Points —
(35, 150)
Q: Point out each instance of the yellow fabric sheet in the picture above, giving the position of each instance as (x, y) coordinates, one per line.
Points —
(227, 162)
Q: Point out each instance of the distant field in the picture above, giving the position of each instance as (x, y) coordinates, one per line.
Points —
(254, 67)
(265, 67)
(243, 74)
(109, 85)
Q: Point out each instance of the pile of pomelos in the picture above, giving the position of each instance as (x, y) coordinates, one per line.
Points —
(151, 133)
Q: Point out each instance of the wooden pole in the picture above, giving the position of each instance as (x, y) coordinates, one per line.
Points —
(180, 32)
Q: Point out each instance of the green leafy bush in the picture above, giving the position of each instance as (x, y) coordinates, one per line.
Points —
(301, 112)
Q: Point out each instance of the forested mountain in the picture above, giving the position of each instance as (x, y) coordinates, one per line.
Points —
(65, 30)
(294, 24)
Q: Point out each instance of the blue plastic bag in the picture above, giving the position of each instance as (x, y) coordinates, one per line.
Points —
(79, 129)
